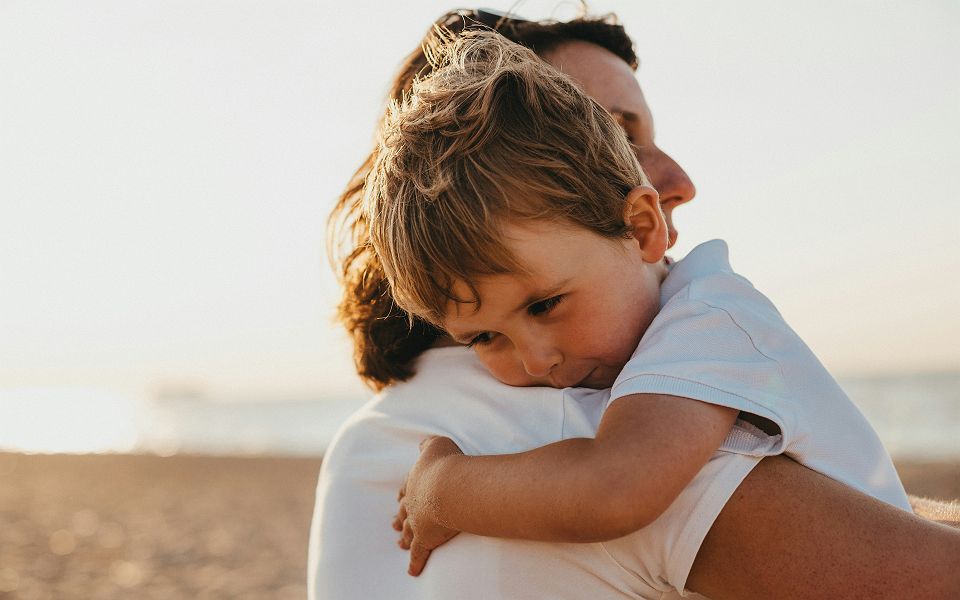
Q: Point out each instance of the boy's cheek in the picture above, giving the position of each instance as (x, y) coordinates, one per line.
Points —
(508, 370)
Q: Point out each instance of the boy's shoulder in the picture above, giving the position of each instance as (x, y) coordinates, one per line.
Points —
(716, 339)
(710, 315)
(705, 276)
(704, 261)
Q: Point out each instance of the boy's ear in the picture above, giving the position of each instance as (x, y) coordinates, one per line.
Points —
(644, 217)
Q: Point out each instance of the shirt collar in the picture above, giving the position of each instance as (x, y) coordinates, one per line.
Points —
(706, 259)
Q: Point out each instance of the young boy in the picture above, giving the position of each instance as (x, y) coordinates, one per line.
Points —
(510, 210)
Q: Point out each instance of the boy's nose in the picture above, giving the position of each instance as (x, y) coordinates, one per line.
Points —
(539, 362)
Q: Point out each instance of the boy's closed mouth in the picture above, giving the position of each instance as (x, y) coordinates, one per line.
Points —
(583, 381)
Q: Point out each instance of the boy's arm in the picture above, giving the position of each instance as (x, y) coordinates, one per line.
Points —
(648, 448)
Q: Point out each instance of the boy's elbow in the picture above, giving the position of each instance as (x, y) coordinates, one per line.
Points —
(627, 514)
(620, 509)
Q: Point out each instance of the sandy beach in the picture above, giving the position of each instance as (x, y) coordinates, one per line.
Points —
(120, 526)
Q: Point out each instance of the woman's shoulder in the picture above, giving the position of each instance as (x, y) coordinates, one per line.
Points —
(451, 394)
(445, 364)
(444, 377)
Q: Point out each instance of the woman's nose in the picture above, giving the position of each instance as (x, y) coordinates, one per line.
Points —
(671, 181)
(673, 184)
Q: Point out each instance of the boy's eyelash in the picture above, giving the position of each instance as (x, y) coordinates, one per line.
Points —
(480, 340)
(544, 306)
(541, 307)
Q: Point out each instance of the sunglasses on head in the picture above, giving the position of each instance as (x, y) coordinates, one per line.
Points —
(478, 18)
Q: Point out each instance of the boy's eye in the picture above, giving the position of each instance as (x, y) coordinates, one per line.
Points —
(544, 306)
(480, 340)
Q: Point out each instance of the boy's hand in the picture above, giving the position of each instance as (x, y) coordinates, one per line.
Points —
(421, 533)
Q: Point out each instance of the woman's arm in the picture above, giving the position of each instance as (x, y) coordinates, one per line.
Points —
(789, 532)
(946, 513)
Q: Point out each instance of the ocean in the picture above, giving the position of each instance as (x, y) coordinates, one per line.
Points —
(916, 416)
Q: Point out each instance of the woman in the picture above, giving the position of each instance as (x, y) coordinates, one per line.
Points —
(725, 537)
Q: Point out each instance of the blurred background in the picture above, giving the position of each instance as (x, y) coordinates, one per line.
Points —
(170, 372)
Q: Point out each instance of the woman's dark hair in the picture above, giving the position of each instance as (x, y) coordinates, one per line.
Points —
(386, 345)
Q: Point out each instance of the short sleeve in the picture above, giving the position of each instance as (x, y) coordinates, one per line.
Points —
(697, 350)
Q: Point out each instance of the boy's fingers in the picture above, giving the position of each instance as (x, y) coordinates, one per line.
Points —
(402, 492)
(418, 559)
(399, 518)
(407, 538)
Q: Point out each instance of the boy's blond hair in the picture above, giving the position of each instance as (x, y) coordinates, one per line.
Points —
(493, 133)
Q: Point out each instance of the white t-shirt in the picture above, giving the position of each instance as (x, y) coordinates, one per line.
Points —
(353, 550)
(719, 340)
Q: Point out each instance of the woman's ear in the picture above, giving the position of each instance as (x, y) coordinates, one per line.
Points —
(644, 217)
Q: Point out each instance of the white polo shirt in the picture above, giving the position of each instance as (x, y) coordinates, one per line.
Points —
(719, 340)
(353, 550)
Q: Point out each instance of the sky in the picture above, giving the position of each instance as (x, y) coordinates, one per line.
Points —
(166, 169)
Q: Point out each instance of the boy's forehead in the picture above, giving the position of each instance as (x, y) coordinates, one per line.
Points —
(498, 290)
(543, 249)
(533, 246)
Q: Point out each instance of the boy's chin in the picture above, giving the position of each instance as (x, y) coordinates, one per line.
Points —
(598, 378)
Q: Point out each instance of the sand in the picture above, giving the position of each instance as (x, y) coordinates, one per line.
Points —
(143, 527)
(119, 526)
